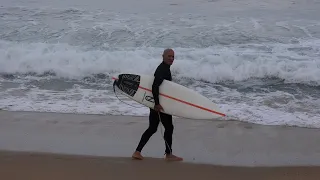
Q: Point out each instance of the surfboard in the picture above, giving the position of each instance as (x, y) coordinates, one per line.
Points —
(176, 100)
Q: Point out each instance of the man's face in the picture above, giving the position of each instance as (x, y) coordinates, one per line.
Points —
(168, 57)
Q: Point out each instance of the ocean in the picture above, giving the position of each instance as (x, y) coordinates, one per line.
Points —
(258, 61)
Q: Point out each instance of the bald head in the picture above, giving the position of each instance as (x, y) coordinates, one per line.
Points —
(168, 56)
(166, 51)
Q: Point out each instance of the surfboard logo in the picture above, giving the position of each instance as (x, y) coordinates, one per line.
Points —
(149, 98)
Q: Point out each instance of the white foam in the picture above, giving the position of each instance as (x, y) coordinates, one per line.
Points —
(212, 64)
(76, 100)
(277, 108)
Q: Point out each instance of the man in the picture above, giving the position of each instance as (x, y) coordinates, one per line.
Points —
(162, 72)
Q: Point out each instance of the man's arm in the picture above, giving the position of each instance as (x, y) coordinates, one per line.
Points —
(155, 88)
(158, 79)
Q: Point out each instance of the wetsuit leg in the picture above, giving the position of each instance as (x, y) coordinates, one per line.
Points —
(153, 126)
(166, 120)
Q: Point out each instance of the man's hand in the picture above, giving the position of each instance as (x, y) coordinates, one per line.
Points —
(158, 107)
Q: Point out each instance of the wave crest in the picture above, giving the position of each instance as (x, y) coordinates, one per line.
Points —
(214, 64)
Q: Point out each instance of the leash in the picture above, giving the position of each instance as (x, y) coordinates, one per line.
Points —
(163, 134)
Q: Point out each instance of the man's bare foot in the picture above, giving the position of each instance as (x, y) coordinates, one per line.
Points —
(171, 157)
(137, 155)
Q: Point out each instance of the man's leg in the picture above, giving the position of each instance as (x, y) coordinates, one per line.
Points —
(166, 120)
(153, 126)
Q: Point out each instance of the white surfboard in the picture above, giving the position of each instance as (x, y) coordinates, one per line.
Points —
(175, 99)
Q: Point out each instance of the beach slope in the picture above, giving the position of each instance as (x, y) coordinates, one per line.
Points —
(230, 143)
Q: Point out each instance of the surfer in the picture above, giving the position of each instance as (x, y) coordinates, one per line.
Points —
(162, 72)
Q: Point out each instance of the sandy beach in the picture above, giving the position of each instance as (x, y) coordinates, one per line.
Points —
(36, 166)
(74, 146)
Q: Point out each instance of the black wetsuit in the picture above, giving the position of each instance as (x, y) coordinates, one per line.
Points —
(162, 72)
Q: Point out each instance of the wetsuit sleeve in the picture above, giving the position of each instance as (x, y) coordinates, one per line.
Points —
(158, 79)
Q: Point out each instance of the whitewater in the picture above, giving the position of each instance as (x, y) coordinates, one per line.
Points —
(258, 61)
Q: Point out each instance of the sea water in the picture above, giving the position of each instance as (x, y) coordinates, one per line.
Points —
(258, 61)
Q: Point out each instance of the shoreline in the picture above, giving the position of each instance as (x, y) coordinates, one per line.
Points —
(222, 119)
(231, 143)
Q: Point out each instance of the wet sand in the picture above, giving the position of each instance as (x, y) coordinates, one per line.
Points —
(45, 166)
(75, 146)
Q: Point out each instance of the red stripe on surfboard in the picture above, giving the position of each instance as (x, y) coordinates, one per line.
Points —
(191, 104)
